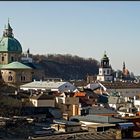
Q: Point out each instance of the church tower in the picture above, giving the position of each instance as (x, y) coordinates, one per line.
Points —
(105, 70)
(10, 48)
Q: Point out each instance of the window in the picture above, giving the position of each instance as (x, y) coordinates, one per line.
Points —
(68, 107)
(22, 78)
(108, 71)
(12, 59)
(10, 78)
(2, 58)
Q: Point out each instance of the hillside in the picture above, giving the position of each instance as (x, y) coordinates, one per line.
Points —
(67, 66)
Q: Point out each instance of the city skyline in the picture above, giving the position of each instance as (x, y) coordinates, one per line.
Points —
(86, 29)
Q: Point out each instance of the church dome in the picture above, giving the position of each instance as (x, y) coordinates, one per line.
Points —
(126, 72)
(8, 43)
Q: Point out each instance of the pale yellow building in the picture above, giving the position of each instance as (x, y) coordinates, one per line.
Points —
(69, 105)
(42, 100)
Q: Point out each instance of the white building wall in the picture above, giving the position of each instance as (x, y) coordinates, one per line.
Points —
(104, 71)
(137, 104)
(113, 106)
(34, 102)
(100, 78)
(104, 74)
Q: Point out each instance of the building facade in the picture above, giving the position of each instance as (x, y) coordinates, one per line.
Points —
(13, 70)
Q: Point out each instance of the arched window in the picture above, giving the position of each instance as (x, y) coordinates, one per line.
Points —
(2, 58)
(10, 78)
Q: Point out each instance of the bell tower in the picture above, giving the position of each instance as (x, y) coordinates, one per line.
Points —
(105, 70)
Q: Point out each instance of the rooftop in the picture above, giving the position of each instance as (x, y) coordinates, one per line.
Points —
(49, 85)
(98, 119)
(120, 85)
(99, 110)
(15, 65)
(42, 96)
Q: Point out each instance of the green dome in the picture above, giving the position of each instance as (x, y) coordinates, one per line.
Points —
(10, 44)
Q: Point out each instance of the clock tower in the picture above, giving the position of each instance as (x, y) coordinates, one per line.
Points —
(105, 70)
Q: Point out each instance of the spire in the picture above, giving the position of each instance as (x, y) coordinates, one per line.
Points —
(8, 20)
(104, 52)
(105, 56)
(8, 31)
(123, 65)
(28, 52)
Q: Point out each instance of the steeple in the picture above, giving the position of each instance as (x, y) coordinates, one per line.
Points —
(105, 61)
(8, 31)
(28, 52)
(123, 65)
(104, 54)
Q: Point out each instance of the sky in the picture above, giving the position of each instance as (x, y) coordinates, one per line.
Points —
(83, 28)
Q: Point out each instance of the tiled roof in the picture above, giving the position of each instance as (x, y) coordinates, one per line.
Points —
(99, 110)
(120, 85)
(60, 121)
(79, 94)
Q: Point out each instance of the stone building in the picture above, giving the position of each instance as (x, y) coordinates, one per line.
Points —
(13, 69)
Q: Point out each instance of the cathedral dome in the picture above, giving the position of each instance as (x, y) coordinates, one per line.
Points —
(8, 43)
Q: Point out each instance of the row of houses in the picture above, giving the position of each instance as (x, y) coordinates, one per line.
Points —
(74, 109)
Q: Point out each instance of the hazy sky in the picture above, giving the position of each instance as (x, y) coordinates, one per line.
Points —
(83, 28)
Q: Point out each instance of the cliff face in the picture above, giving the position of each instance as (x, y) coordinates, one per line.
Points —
(67, 66)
